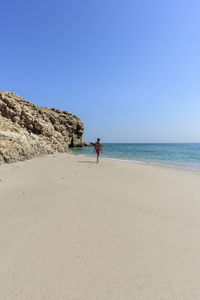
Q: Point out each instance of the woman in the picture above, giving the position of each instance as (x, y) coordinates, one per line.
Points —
(98, 149)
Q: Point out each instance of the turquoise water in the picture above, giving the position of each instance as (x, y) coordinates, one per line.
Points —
(186, 156)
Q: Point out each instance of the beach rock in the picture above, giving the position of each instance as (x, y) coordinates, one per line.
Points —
(27, 130)
(87, 144)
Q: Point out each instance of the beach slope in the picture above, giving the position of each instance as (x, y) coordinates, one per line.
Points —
(74, 229)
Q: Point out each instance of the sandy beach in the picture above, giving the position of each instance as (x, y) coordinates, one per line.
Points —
(74, 229)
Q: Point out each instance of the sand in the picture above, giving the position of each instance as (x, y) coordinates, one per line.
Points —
(73, 229)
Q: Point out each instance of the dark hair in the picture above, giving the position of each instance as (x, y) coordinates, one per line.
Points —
(98, 139)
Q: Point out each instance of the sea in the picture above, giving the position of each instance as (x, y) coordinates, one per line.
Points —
(181, 156)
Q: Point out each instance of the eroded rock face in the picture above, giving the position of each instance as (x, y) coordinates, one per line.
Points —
(27, 130)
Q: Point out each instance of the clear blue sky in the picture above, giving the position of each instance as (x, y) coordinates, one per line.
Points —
(130, 69)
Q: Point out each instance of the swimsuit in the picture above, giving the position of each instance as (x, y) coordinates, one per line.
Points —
(98, 150)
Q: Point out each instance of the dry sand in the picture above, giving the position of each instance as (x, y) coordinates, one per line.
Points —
(72, 229)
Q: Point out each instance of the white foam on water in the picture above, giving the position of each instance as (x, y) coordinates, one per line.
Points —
(127, 160)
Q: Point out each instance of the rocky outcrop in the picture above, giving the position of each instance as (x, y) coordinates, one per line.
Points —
(27, 130)
(87, 144)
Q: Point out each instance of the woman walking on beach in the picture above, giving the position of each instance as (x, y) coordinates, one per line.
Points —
(98, 149)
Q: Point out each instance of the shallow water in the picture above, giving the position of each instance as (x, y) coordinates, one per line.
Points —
(184, 156)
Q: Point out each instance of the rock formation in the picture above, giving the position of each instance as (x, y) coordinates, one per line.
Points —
(27, 130)
(87, 144)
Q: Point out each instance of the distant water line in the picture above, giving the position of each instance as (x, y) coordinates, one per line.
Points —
(182, 156)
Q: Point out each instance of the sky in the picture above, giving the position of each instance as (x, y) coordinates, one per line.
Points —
(129, 69)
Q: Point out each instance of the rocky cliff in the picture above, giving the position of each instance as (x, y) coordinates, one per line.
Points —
(27, 130)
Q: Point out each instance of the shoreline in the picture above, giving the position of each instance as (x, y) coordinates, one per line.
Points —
(180, 156)
(164, 165)
(147, 163)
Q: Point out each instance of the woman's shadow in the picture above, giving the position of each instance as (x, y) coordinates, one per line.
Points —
(86, 161)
